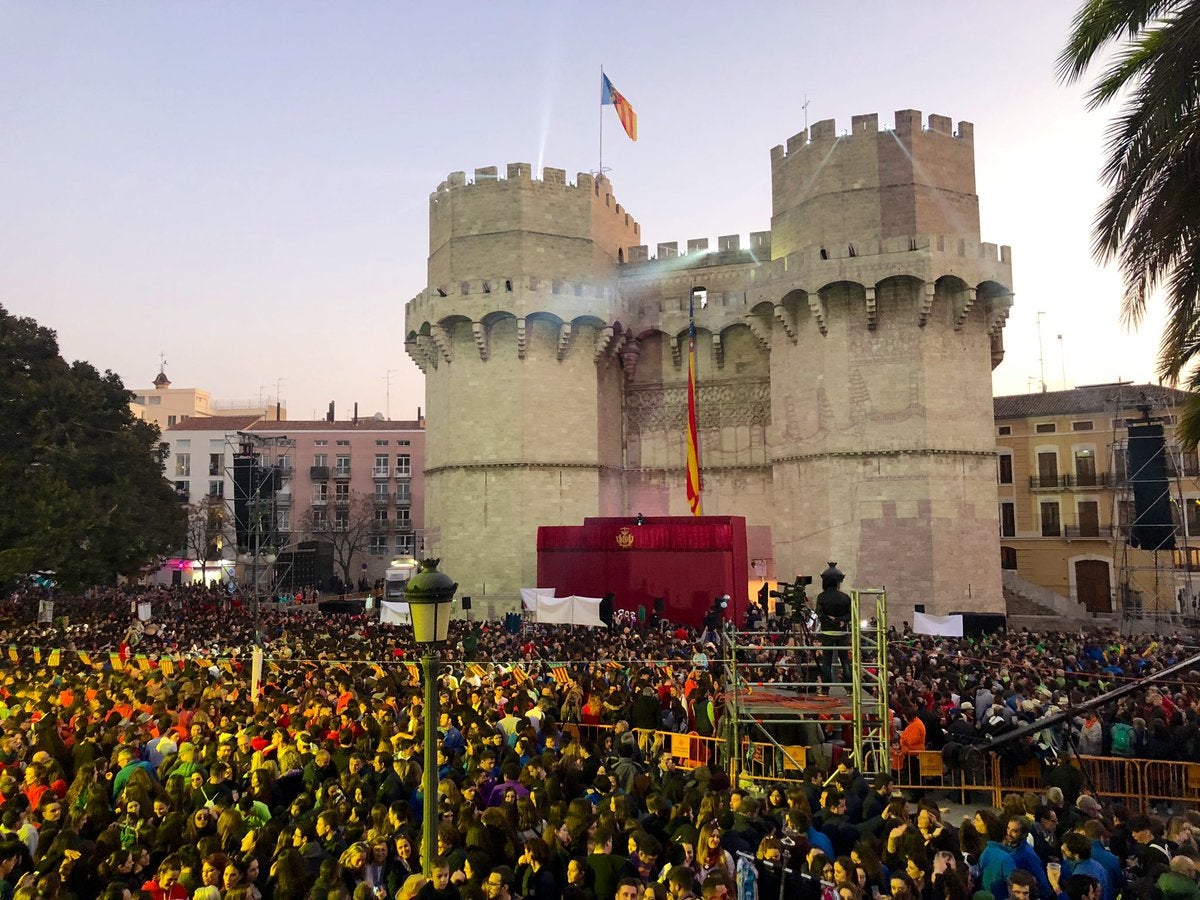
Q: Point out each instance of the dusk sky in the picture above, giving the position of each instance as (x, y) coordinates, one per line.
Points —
(244, 187)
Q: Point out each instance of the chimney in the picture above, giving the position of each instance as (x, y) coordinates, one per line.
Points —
(355, 412)
(329, 415)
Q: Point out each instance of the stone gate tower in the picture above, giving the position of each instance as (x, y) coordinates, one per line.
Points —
(515, 335)
(844, 367)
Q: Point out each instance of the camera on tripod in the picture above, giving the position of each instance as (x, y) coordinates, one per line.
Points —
(792, 596)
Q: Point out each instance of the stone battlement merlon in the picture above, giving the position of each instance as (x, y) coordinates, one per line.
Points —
(907, 123)
(521, 174)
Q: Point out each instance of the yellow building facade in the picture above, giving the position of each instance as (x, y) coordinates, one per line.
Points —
(1066, 503)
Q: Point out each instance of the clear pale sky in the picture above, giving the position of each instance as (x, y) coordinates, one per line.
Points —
(244, 187)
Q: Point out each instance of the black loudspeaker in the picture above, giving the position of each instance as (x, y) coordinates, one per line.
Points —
(606, 609)
(1153, 524)
(466, 603)
(252, 481)
(659, 605)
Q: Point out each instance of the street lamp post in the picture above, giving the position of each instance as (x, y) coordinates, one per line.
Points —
(430, 593)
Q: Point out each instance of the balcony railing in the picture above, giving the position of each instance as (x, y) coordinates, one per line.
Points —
(341, 472)
(1080, 531)
(341, 500)
(381, 472)
(283, 499)
(318, 473)
(404, 526)
(1059, 482)
(381, 499)
(320, 499)
(380, 527)
(1047, 482)
(403, 499)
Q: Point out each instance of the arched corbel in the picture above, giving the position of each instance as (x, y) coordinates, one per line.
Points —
(479, 330)
(968, 302)
(785, 321)
(816, 304)
(440, 335)
(565, 338)
(604, 339)
(927, 292)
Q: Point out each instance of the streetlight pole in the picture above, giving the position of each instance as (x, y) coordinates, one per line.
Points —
(429, 666)
(430, 593)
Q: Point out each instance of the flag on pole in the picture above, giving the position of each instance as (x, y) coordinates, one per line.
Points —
(610, 96)
(560, 673)
(694, 485)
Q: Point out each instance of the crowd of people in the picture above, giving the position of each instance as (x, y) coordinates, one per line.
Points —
(135, 762)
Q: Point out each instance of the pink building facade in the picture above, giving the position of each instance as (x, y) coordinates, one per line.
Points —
(337, 473)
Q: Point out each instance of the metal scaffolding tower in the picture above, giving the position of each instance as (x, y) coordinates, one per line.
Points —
(781, 713)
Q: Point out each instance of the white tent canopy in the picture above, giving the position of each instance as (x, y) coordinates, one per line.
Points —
(562, 610)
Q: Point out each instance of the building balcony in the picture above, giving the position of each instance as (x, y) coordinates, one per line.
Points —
(1088, 480)
(381, 498)
(381, 527)
(283, 499)
(1078, 531)
(403, 499)
(404, 527)
(342, 472)
(339, 526)
(285, 468)
(318, 473)
(341, 500)
(320, 500)
(381, 472)
(1047, 482)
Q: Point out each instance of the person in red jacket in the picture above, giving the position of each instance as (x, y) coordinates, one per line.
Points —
(165, 885)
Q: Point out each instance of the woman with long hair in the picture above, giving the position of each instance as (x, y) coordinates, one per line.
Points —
(710, 857)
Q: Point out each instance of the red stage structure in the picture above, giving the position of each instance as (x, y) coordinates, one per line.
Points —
(686, 560)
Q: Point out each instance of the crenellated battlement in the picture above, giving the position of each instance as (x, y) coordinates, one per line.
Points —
(520, 174)
(908, 122)
(872, 184)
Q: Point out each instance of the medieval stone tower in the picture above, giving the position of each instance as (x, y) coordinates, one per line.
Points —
(844, 363)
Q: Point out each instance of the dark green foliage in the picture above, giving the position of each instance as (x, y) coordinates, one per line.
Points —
(82, 491)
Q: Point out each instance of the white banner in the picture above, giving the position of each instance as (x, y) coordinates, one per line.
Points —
(946, 626)
(394, 613)
(143, 611)
(530, 597)
(586, 611)
(555, 610)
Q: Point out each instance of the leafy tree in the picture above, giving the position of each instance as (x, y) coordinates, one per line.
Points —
(209, 529)
(82, 491)
(1150, 221)
(347, 525)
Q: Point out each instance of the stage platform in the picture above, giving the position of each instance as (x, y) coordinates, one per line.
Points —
(791, 704)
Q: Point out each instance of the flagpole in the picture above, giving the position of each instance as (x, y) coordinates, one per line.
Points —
(600, 171)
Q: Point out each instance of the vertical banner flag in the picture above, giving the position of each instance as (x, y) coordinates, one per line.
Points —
(693, 445)
(610, 96)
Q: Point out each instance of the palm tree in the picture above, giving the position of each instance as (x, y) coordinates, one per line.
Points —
(1150, 221)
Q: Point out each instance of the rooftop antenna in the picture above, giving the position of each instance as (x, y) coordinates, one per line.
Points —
(804, 106)
(388, 403)
(1062, 358)
(162, 361)
(1041, 354)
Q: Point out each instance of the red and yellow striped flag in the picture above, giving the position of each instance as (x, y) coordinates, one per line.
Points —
(610, 96)
(694, 483)
(520, 675)
(413, 672)
(475, 670)
(560, 673)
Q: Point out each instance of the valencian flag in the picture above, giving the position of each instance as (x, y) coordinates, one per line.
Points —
(694, 486)
(610, 96)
